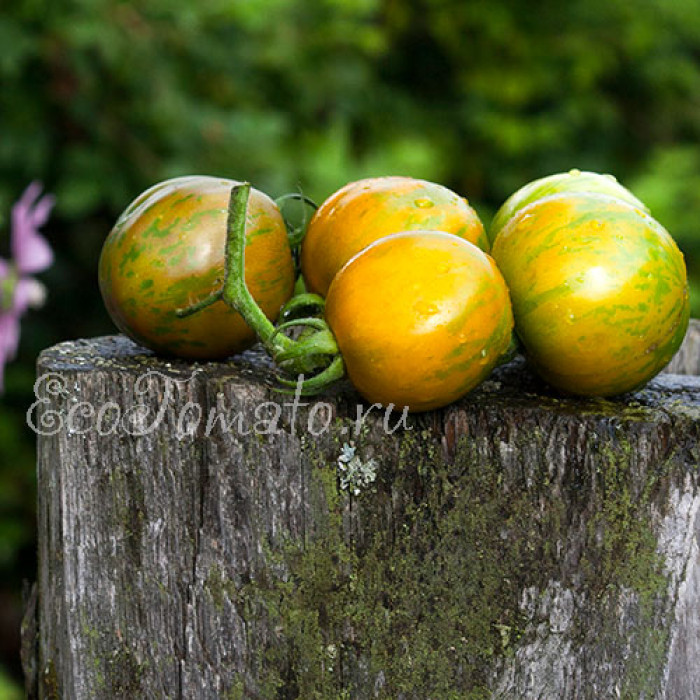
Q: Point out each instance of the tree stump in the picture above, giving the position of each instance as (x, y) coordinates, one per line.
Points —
(203, 536)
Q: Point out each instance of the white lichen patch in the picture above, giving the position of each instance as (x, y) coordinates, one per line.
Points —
(355, 475)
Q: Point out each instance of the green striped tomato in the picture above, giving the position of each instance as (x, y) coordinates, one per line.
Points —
(571, 181)
(166, 252)
(599, 291)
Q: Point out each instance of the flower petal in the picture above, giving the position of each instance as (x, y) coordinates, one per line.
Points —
(28, 293)
(9, 340)
(30, 250)
(33, 254)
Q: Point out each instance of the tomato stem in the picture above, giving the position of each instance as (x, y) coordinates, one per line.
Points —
(315, 345)
(235, 292)
(200, 305)
(302, 304)
(296, 233)
(320, 382)
(314, 350)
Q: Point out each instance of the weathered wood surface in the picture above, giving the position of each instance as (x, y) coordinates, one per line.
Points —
(514, 545)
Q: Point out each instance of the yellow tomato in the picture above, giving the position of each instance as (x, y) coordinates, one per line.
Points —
(364, 211)
(420, 318)
(599, 291)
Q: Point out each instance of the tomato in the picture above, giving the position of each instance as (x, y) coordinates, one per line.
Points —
(599, 291)
(420, 317)
(166, 252)
(572, 181)
(366, 210)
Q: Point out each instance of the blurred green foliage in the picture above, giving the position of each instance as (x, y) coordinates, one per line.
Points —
(102, 98)
(9, 689)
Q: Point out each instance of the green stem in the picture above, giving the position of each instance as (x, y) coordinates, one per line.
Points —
(301, 304)
(315, 351)
(200, 305)
(295, 233)
(297, 196)
(235, 291)
(320, 382)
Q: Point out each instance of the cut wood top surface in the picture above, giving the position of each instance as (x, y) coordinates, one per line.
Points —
(513, 383)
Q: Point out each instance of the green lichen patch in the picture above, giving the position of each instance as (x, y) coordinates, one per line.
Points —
(421, 610)
(620, 562)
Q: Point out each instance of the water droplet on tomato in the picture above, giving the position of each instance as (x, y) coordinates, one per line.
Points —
(423, 203)
(570, 317)
(574, 171)
(483, 357)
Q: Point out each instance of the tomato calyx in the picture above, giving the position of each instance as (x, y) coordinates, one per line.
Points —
(315, 350)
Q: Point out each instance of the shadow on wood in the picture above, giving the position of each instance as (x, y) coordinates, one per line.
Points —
(223, 541)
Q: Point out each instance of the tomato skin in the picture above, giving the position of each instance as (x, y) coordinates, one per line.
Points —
(364, 211)
(420, 318)
(571, 181)
(599, 292)
(166, 252)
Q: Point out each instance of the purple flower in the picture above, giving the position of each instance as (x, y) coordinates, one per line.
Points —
(30, 254)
